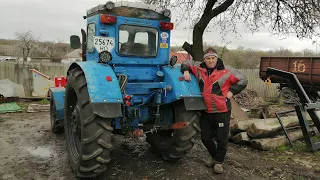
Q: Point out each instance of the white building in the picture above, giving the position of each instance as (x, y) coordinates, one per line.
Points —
(73, 56)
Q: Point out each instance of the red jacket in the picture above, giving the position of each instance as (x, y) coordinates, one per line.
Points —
(215, 83)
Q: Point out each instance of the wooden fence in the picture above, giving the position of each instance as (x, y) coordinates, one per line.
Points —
(20, 73)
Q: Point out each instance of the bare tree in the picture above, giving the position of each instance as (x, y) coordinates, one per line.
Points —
(55, 50)
(282, 17)
(26, 42)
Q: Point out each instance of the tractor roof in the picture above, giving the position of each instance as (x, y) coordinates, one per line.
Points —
(126, 5)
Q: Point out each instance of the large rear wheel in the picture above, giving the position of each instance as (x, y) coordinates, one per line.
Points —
(88, 135)
(172, 145)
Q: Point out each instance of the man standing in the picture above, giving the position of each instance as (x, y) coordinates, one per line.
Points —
(217, 84)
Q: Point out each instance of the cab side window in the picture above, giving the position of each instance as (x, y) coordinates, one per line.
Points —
(91, 32)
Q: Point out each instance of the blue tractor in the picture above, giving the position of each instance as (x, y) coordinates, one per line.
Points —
(126, 83)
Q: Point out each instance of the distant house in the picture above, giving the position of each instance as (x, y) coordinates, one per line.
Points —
(181, 55)
(73, 56)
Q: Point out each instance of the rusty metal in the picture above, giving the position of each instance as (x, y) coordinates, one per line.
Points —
(303, 106)
(307, 69)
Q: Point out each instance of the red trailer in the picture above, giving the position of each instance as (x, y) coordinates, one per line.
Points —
(307, 70)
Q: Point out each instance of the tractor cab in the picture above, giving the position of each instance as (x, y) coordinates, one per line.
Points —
(126, 33)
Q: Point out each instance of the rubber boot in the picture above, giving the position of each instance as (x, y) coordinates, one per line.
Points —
(218, 168)
(210, 161)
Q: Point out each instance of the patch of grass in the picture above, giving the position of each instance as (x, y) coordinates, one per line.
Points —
(299, 146)
(44, 101)
(23, 105)
(281, 148)
(284, 158)
(317, 153)
(299, 178)
(273, 101)
(316, 138)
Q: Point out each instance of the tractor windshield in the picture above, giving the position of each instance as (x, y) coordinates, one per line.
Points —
(138, 41)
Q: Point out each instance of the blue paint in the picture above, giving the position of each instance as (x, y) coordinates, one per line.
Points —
(113, 31)
(58, 96)
(100, 90)
(149, 81)
(179, 89)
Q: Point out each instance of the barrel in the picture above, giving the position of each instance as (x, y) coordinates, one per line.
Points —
(307, 69)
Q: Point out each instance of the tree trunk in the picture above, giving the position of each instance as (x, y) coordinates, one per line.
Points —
(272, 143)
(269, 128)
(241, 138)
(197, 47)
(243, 125)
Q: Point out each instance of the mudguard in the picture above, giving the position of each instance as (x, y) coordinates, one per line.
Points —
(178, 88)
(103, 88)
(58, 97)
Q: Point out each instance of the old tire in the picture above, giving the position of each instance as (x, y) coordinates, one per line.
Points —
(172, 145)
(288, 95)
(88, 135)
(56, 127)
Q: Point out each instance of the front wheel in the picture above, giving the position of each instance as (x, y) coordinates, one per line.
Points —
(175, 144)
(88, 135)
(56, 126)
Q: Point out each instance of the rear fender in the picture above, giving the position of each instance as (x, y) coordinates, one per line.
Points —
(58, 97)
(177, 89)
(105, 96)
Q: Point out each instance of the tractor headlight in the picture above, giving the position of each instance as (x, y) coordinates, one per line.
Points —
(105, 57)
(167, 13)
(109, 5)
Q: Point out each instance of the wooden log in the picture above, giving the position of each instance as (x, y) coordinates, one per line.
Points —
(241, 138)
(270, 128)
(242, 126)
(272, 143)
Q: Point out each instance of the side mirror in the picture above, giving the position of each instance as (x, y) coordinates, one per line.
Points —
(173, 60)
(75, 42)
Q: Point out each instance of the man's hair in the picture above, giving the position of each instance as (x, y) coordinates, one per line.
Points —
(210, 49)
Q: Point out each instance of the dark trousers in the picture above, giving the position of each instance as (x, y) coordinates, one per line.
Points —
(214, 133)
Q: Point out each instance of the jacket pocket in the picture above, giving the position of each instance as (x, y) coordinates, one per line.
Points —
(219, 103)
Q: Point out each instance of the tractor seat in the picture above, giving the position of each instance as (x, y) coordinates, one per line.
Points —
(134, 49)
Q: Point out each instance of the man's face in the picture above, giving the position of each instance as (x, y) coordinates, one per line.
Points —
(211, 61)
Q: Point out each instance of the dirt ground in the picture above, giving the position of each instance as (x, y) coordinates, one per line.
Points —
(29, 150)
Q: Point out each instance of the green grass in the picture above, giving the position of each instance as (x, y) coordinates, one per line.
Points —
(316, 138)
(298, 146)
(317, 153)
(44, 101)
(281, 148)
(23, 105)
(299, 178)
(273, 101)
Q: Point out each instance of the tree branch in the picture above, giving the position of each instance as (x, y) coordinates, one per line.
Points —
(222, 8)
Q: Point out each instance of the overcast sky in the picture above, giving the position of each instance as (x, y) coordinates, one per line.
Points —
(58, 19)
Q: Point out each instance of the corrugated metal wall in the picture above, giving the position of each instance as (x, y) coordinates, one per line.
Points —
(20, 74)
(257, 84)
